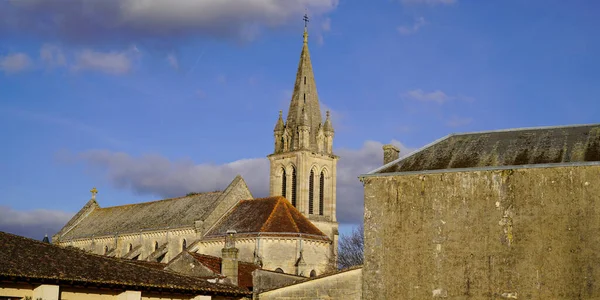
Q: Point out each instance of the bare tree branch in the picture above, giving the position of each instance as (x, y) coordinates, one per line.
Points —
(351, 248)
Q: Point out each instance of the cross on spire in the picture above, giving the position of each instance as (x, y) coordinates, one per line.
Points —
(94, 191)
(305, 20)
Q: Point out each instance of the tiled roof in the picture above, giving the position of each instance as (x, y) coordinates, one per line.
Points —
(213, 263)
(514, 147)
(268, 216)
(172, 213)
(37, 262)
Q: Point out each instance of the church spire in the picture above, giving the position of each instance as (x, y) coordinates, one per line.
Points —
(305, 99)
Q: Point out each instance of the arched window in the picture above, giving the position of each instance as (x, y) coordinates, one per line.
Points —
(155, 246)
(313, 273)
(183, 245)
(283, 183)
(311, 196)
(294, 187)
(105, 249)
(321, 193)
(279, 270)
(129, 247)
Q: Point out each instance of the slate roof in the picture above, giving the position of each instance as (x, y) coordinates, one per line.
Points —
(513, 147)
(273, 216)
(213, 263)
(36, 262)
(172, 213)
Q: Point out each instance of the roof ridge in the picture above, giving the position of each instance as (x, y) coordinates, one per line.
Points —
(161, 200)
(289, 214)
(527, 128)
(270, 217)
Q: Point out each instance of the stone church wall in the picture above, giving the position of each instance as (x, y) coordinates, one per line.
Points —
(276, 253)
(529, 233)
(346, 285)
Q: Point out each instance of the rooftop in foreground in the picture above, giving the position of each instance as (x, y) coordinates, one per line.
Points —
(575, 144)
(27, 260)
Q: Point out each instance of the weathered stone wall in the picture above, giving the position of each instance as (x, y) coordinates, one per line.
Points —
(276, 252)
(266, 280)
(340, 286)
(526, 233)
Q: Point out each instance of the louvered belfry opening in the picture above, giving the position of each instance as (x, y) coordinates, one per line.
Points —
(294, 187)
(311, 185)
(321, 193)
(283, 183)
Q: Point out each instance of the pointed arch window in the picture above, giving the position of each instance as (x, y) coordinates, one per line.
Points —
(294, 187)
(155, 246)
(311, 196)
(184, 245)
(321, 193)
(304, 79)
(283, 183)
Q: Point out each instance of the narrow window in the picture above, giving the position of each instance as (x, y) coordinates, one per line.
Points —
(304, 95)
(311, 185)
(130, 247)
(183, 245)
(304, 79)
(313, 273)
(321, 193)
(105, 249)
(294, 187)
(283, 183)
(155, 246)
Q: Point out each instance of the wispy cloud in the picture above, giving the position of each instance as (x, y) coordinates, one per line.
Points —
(436, 96)
(420, 95)
(456, 121)
(14, 63)
(428, 2)
(173, 61)
(408, 30)
(52, 55)
(113, 62)
(157, 175)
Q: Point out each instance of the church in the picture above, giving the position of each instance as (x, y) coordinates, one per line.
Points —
(293, 231)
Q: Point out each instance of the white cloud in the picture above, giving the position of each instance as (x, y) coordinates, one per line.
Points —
(407, 30)
(52, 55)
(435, 96)
(34, 223)
(429, 2)
(128, 20)
(326, 25)
(157, 175)
(113, 62)
(14, 63)
(173, 62)
(456, 121)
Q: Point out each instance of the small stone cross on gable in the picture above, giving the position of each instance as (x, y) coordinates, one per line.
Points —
(94, 191)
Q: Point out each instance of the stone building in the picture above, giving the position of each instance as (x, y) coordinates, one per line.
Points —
(509, 214)
(293, 231)
(37, 270)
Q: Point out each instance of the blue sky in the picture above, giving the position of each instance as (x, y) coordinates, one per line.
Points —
(154, 101)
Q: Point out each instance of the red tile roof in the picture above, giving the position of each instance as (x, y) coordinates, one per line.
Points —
(269, 216)
(34, 261)
(213, 263)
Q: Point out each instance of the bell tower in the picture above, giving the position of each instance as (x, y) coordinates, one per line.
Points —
(303, 166)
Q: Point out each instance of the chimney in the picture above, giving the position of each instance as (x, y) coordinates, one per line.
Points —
(390, 153)
(229, 263)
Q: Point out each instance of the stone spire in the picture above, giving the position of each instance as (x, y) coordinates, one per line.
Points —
(304, 98)
(279, 126)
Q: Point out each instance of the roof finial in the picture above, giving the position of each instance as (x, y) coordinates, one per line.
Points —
(280, 113)
(305, 28)
(94, 191)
